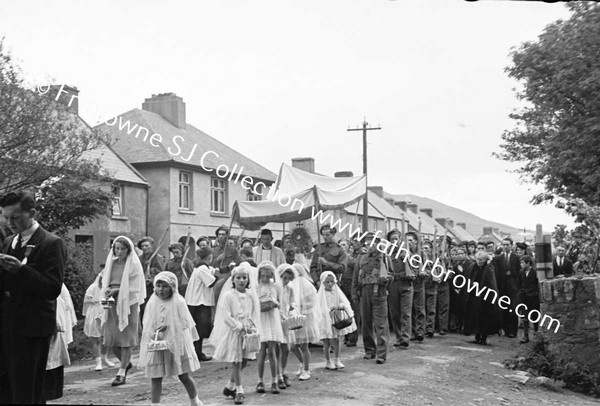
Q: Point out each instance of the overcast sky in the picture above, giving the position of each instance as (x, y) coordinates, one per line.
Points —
(281, 79)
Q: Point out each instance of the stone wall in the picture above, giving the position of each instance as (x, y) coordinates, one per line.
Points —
(575, 302)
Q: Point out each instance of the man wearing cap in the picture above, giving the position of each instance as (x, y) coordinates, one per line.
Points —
(266, 251)
(401, 291)
(418, 305)
(372, 275)
(225, 258)
(151, 265)
(180, 266)
(329, 256)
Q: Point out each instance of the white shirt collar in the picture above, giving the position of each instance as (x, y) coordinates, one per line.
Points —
(26, 235)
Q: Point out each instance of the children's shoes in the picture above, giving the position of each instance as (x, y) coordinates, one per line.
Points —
(108, 363)
(195, 401)
(98, 366)
(330, 365)
(338, 364)
(304, 376)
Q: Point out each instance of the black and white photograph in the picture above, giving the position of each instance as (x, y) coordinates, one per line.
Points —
(278, 202)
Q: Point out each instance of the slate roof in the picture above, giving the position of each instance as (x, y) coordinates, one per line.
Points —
(137, 151)
(460, 233)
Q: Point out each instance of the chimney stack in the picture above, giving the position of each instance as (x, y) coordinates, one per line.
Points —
(441, 221)
(402, 205)
(66, 95)
(429, 212)
(170, 106)
(378, 190)
(390, 200)
(305, 164)
(343, 174)
(413, 207)
(487, 231)
(462, 225)
(450, 223)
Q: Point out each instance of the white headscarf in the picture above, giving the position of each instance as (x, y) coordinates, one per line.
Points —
(220, 328)
(339, 298)
(133, 284)
(171, 313)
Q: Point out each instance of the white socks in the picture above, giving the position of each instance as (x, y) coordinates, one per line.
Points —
(121, 372)
(239, 389)
(230, 385)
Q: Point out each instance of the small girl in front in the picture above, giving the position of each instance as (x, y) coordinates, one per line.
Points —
(168, 321)
(271, 332)
(238, 313)
(94, 320)
(331, 298)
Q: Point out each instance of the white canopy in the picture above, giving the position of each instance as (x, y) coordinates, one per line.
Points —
(298, 195)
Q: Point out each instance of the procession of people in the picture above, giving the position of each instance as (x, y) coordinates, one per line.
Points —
(252, 299)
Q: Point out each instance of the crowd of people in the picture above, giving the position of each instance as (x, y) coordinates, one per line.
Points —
(252, 300)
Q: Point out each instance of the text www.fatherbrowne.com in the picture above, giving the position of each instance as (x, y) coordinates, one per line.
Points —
(459, 281)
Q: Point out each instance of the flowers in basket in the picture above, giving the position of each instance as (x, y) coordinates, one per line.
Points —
(251, 338)
(157, 343)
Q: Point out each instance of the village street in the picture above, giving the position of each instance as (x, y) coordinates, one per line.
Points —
(445, 370)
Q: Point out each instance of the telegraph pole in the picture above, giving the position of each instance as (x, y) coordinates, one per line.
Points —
(364, 129)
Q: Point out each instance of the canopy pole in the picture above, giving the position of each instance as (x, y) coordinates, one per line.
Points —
(318, 232)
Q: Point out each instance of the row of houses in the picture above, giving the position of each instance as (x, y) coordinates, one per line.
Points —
(166, 182)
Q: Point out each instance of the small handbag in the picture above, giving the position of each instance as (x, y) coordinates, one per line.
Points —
(158, 345)
(251, 341)
(340, 319)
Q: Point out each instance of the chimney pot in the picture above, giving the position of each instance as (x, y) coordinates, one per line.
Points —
(378, 190)
(413, 207)
(305, 164)
(343, 174)
(66, 95)
(450, 222)
(170, 106)
(442, 221)
(402, 205)
(429, 212)
(462, 225)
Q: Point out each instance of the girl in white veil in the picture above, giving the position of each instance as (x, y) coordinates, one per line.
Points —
(123, 280)
(305, 296)
(238, 314)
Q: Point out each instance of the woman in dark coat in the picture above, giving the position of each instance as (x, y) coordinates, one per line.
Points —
(482, 317)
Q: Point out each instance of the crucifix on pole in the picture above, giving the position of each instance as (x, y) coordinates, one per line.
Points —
(364, 129)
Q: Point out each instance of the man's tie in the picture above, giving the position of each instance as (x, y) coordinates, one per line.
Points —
(19, 248)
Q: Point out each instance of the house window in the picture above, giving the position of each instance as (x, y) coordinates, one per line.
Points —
(218, 194)
(254, 197)
(185, 190)
(117, 209)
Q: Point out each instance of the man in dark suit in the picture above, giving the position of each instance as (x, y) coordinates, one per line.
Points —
(529, 295)
(31, 276)
(506, 268)
(561, 264)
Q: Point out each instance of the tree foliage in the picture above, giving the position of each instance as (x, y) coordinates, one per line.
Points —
(39, 137)
(556, 138)
(46, 149)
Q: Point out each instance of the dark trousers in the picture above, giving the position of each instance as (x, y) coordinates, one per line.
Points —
(352, 338)
(510, 321)
(202, 316)
(418, 308)
(443, 302)
(430, 304)
(23, 368)
(374, 313)
(400, 302)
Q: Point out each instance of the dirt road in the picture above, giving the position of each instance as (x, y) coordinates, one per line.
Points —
(445, 370)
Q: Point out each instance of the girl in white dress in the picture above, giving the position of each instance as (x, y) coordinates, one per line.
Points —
(306, 300)
(271, 332)
(286, 276)
(238, 313)
(168, 321)
(331, 298)
(94, 319)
